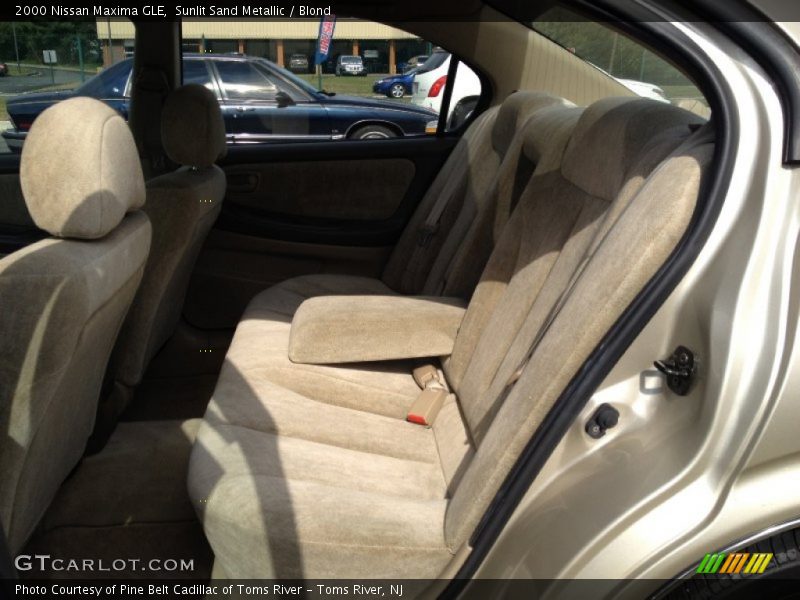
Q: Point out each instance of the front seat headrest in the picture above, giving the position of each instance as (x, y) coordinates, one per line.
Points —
(192, 128)
(80, 171)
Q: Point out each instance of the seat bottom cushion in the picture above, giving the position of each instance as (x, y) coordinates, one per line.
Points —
(285, 446)
(263, 523)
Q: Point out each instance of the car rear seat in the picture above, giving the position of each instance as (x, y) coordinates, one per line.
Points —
(464, 195)
(296, 476)
(265, 326)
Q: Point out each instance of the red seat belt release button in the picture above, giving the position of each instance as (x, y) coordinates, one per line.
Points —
(426, 407)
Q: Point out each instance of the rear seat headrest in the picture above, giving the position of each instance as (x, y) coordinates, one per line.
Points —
(80, 171)
(544, 138)
(514, 112)
(192, 128)
(612, 134)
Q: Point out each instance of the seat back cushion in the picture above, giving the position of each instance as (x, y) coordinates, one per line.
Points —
(192, 127)
(595, 240)
(182, 207)
(64, 300)
(467, 173)
(536, 148)
(467, 184)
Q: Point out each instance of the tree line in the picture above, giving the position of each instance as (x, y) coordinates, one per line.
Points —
(608, 50)
(32, 37)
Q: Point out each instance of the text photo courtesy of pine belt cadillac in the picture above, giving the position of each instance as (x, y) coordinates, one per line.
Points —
(475, 299)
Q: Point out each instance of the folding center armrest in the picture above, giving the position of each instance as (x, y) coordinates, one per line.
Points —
(342, 329)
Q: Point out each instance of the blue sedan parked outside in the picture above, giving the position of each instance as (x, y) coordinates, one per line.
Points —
(396, 86)
(261, 103)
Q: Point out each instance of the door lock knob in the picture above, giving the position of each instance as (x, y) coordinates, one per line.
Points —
(604, 418)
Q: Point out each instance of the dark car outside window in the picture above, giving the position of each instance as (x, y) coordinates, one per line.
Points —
(195, 71)
(243, 81)
(291, 80)
(111, 83)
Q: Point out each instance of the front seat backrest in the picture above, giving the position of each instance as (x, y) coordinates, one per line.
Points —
(64, 298)
(182, 207)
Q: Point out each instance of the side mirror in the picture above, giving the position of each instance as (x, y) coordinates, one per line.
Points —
(283, 99)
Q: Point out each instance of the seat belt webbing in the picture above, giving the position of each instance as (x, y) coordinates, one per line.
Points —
(431, 224)
(151, 89)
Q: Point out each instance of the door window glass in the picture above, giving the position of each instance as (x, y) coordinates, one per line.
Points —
(242, 80)
(635, 66)
(46, 61)
(376, 82)
(196, 71)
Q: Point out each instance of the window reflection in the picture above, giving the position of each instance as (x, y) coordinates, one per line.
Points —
(241, 80)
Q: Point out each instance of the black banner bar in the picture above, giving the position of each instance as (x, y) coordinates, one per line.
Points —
(409, 10)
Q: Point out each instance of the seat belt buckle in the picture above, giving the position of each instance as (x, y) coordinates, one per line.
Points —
(427, 405)
(424, 375)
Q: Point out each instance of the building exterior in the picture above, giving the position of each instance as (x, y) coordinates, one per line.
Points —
(382, 47)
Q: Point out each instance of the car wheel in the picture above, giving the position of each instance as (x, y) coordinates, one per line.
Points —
(462, 111)
(373, 132)
(398, 90)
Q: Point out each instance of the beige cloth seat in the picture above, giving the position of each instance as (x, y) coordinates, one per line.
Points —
(387, 388)
(493, 149)
(470, 195)
(64, 298)
(182, 207)
(310, 471)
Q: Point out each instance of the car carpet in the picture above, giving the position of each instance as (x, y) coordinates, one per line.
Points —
(128, 502)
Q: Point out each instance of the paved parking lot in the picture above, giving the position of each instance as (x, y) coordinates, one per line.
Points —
(35, 79)
(38, 79)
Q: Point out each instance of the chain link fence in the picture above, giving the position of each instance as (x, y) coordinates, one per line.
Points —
(45, 56)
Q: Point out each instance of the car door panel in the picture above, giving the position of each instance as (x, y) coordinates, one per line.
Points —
(329, 215)
(368, 190)
(299, 209)
(234, 267)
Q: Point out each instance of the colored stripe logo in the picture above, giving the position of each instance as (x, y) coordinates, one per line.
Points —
(735, 562)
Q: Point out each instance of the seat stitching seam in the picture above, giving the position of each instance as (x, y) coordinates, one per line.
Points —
(370, 387)
(276, 435)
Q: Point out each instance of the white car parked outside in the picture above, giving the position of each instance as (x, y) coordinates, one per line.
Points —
(431, 79)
